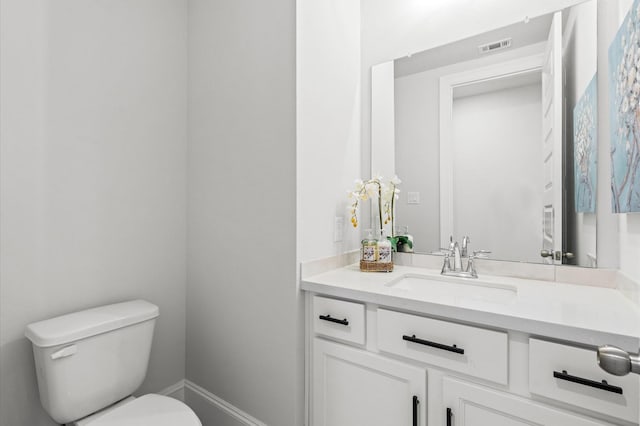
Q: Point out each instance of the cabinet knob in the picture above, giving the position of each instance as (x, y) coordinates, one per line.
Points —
(546, 253)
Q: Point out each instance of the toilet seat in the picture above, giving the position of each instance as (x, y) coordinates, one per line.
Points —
(149, 410)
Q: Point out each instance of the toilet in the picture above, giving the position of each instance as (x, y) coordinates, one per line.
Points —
(90, 362)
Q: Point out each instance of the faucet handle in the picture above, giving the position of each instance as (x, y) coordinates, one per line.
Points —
(465, 245)
(446, 264)
(471, 267)
(481, 254)
(452, 244)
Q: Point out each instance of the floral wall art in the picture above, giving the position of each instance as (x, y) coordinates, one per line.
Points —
(585, 137)
(624, 86)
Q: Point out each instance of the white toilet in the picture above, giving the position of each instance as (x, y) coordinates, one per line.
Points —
(89, 363)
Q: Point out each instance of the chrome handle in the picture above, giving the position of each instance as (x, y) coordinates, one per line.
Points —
(558, 255)
(617, 361)
(546, 253)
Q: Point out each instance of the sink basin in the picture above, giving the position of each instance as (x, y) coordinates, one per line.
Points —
(452, 289)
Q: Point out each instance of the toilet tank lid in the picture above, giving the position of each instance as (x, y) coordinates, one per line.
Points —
(90, 322)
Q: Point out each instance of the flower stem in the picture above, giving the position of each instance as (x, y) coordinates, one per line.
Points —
(393, 201)
(379, 203)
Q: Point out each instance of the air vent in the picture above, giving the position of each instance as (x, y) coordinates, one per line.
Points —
(495, 45)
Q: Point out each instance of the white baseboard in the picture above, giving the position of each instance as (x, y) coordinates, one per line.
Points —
(219, 404)
(175, 391)
(211, 402)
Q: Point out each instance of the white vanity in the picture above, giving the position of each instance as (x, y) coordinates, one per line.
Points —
(414, 348)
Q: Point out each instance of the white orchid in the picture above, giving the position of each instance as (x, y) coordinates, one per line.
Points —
(375, 189)
(372, 189)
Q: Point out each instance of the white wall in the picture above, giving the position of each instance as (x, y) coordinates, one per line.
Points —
(328, 122)
(243, 308)
(497, 157)
(391, 29)
(93, 188)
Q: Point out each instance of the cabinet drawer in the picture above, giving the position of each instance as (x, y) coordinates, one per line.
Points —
(572, 375)
(466, 349)
(338, 319)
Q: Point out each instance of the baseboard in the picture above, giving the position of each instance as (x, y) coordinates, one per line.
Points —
(215, 406)
(175, 391)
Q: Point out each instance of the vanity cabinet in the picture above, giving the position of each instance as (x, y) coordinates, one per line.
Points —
(353, 387)
(466, 404)
(470, 350)
(339, 319)
(372, 365)
(570, 374)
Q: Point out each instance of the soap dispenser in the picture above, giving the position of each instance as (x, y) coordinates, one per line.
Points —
(369, 248)
(375, 253)
(384, 249)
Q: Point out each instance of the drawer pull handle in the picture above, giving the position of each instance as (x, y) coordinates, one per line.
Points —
(453, 348)
(337, 321)
(415, 410)
(449, 415)
(599, 385)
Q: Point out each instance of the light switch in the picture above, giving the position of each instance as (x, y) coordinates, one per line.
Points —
(413, 198)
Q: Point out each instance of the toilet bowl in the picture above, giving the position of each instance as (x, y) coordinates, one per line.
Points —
(89, 363)
(147, 410)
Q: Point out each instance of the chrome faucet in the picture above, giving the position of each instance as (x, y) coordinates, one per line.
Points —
(454, 251)
(465, 245)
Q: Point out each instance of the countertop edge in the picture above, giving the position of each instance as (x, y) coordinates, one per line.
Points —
(533, 327)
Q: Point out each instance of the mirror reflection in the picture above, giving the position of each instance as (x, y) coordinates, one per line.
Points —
(494, 138)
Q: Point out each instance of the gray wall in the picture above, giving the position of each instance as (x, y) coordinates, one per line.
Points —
(243, 321)
(93, 175)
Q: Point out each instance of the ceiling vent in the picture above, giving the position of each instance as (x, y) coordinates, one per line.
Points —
(495, 45)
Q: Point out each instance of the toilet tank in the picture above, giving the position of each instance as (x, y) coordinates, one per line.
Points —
(87, 360)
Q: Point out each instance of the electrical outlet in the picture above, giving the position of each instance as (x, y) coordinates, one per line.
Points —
(338, 227)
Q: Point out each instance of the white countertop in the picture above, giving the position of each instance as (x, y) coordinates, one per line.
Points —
(576, 313)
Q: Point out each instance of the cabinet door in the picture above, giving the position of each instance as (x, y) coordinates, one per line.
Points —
(352, 387)
(472, 405)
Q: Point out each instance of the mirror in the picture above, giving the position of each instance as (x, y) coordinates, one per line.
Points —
(494, 137)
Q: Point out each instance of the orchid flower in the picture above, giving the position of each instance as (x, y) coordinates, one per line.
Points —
(375, 189)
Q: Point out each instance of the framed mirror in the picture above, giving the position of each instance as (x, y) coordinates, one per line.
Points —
(494, 138)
